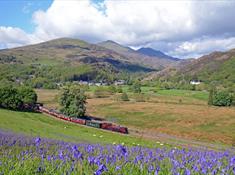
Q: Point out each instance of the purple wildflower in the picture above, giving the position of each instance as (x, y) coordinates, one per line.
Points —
(37, 141)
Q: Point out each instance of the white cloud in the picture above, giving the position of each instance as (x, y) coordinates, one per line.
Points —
(13, 37)
(127, 22)
(198, 47)
(73, 19)
(180, 28)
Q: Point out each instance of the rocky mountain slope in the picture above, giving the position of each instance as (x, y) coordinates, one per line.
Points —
(157, 62)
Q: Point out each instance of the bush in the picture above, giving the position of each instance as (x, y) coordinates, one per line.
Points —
(124, 97)
(222, 98)
(112, 89)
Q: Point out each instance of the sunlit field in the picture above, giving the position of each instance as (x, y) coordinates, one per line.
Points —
(177, 113)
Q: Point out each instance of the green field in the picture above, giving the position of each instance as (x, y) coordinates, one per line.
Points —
(37, 124)
(200, 95)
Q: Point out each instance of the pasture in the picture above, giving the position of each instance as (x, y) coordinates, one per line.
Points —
(178, 114)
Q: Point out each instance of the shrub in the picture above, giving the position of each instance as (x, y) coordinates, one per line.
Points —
(124, 97)
(112, 89)
(222, 98)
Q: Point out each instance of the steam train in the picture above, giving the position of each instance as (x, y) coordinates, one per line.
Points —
(92, 123)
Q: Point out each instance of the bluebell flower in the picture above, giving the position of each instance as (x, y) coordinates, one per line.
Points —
(37, 141)
(101, 169)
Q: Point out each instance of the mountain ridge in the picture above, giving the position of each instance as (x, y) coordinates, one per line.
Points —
(155, 53)
(132, 54)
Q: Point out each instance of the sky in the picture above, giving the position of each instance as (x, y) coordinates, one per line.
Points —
(184, 29)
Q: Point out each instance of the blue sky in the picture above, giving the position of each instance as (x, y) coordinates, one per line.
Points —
(180, 28)
(18, 13)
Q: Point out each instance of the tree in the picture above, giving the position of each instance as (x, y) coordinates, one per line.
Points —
(72, 101)
(17, 98)
(10, 98)
(222, 98)
(28, 95)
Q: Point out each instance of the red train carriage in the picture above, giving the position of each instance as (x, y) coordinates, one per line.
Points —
(92, 123)
(79, 121)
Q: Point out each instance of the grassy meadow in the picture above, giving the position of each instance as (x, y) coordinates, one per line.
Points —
(36, 124)
(165, 114)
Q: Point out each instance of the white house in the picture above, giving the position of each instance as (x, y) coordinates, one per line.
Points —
(195, 82)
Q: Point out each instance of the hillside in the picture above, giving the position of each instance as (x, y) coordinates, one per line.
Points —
(66, 59)
(155, 53)
(64, 50)
(152, 61)
(37, 124)
(217, 67)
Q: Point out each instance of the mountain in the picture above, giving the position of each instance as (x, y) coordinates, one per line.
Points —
(131, 54)
(155, 53)
(216, 67)
(109, 44)
(69, 51)
(66, 59)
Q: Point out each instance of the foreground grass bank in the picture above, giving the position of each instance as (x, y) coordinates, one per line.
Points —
(36, 124)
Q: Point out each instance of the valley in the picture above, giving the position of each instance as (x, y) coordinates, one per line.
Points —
(108, 87)
(183, 114)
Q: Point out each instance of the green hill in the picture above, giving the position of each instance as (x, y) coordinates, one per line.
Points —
(217, 68)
